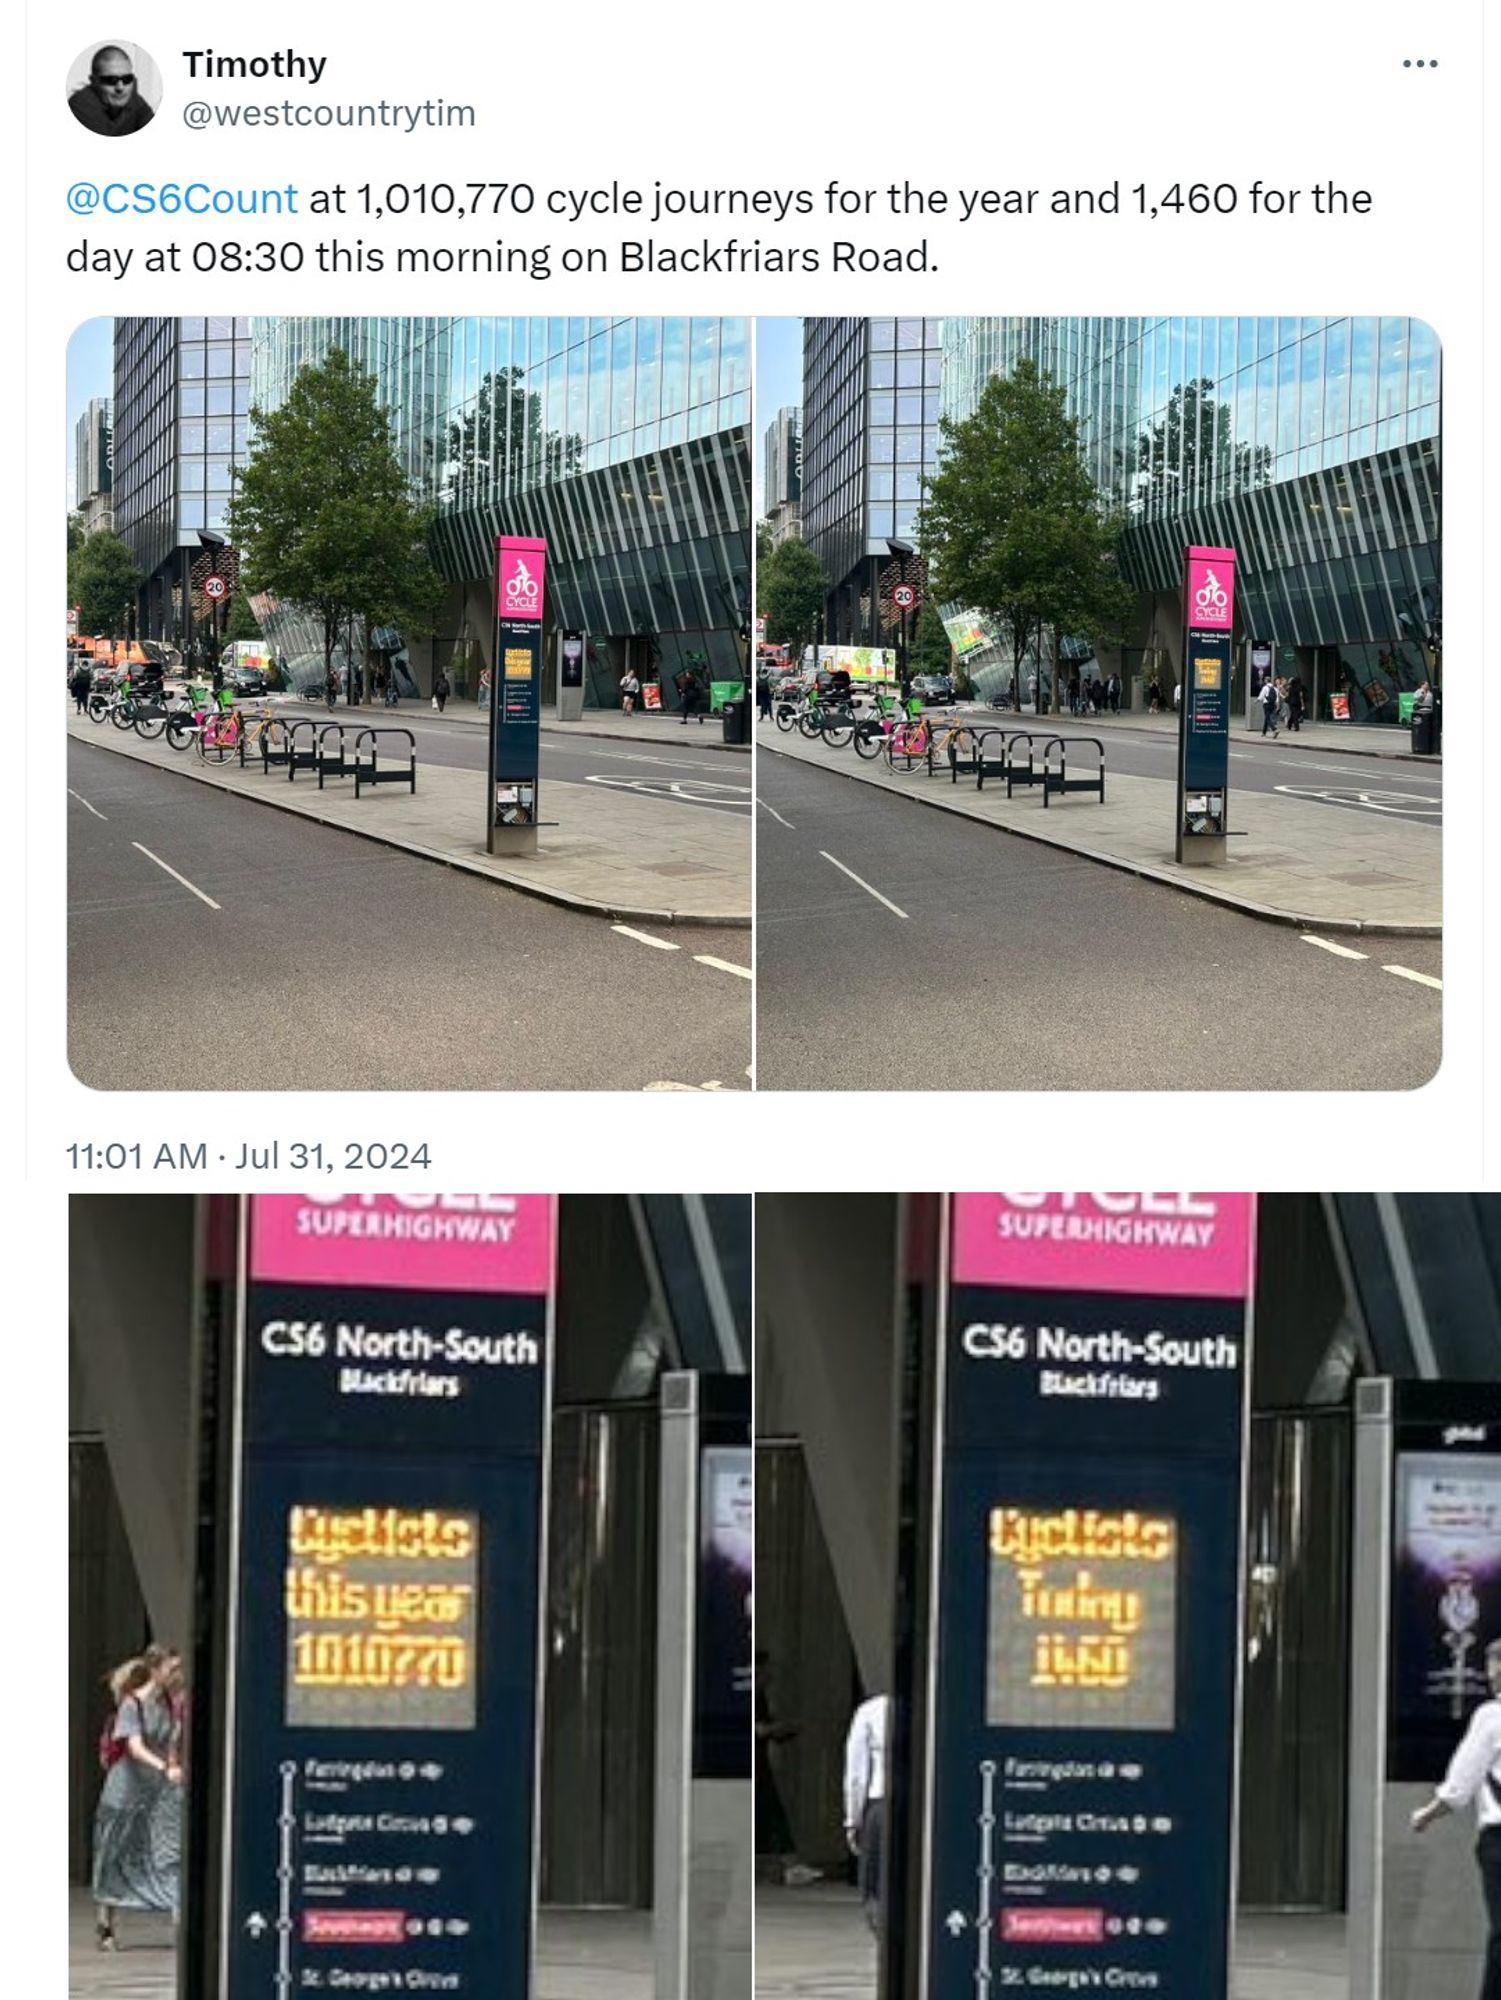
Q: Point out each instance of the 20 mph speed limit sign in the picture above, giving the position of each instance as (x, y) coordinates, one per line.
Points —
(904, 597)
(215, 588)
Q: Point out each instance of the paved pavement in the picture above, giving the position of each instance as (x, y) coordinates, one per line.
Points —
(664, 731)
(639, 837)
(215, 945)
(1347, 740)
(581, 1955)
(906, 949)
(812, 1944)
(1336, 852)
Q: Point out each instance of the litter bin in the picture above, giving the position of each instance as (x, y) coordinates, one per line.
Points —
(1425, 733)
(737, 720)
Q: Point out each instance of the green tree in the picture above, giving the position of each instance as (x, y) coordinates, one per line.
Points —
(242, 622)
(930, 651)
(322, 515)
(764, 547)
(76, 532)
(790, 592)
(102, 581)
(1012, 522)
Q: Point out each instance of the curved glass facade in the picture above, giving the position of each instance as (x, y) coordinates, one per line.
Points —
(1311, 446)
(624, 441)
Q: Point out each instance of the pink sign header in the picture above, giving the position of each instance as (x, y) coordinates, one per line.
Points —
(1209, 590)
(520, 572)
(412, 1242)
(1177, 1245)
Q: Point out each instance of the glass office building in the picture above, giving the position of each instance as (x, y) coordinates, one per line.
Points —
(624, 442)
(1310, 446)
(182, 420)
(871, 391)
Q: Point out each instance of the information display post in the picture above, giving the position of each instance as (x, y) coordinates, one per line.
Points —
(571, 676)
(1204, 706)
(1077, 1745)
(1425, 1603)
(705, 1841)
(516, 709)
(388, 1440)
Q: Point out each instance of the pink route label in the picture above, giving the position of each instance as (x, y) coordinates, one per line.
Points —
(412, 1242)
(1176, 1245)
(522, 569)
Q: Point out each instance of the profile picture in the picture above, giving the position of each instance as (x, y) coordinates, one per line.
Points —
(114, 89)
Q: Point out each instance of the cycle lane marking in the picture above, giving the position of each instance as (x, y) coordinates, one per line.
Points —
(170, 870)
(865, 885)
(641, 937)
(85, 804)
(723, 965)
(1328, 944)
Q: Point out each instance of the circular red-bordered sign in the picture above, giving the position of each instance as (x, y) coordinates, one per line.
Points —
(215, 588)
(904, 597)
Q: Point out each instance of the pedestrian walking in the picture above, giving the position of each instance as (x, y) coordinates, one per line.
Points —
(1474, 1778)
(763, 696)
(1270, 700)
(865, 1800)
(80, 686)
(138, 1824)
(1297, 703)
(1115, 694)
(689, 695)
(630, 688)
(441, 690)
(775, 1840)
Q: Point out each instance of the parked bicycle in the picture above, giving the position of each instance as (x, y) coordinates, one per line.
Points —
(222, 735)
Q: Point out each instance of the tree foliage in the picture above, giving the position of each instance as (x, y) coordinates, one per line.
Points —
(931, 652)
(242, 622)
(1012, 522)
(322, 516)
(102, 581)
(764, 545)
(790, 592)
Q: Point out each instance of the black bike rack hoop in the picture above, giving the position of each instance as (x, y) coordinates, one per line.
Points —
(371, 773)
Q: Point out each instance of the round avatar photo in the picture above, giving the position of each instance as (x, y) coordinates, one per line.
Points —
(114, 89)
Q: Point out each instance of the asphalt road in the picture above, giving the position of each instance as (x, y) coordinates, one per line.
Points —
(215, 946)
(964, 958)
(1392, 787)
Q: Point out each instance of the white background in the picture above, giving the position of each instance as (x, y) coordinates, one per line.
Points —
(1289, 91)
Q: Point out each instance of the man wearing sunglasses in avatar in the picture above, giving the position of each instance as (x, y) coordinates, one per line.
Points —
(109, 103)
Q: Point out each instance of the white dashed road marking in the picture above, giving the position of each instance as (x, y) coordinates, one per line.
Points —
(191, 887)
(1418, 978)
(85, 804)
(641, 937)
(864, 885)
(699, 958)
(1328, 944)
(777, 816)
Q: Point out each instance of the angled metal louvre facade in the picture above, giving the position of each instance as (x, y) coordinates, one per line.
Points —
(625, 442)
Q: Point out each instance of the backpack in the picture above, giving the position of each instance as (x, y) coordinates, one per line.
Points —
(111, 1747)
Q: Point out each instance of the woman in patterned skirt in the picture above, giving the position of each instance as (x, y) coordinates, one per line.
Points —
(138, 1825)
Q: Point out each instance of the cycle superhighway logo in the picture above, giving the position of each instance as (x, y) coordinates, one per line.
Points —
(1178, 1243)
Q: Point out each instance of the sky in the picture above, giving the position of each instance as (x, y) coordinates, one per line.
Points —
(91, 371)
(779, 381)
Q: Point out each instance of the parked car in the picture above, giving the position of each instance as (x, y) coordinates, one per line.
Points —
(933, 690)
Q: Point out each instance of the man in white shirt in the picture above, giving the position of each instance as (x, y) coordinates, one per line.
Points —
(1474, 1775)
(865, 1799)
